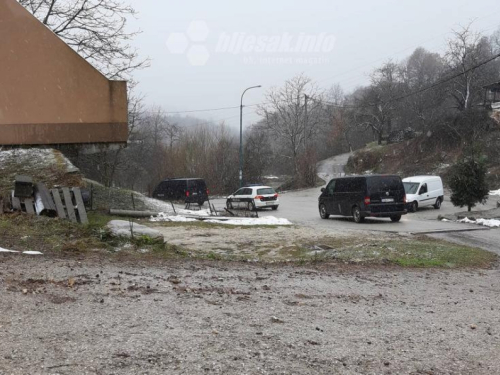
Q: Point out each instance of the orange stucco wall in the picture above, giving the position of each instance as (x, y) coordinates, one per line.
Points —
(48, 93)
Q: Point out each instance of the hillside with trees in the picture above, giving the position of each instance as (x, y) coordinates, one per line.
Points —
(417, 114)
(439, 100)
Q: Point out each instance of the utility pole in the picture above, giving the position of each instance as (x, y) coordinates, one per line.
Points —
(305, 122)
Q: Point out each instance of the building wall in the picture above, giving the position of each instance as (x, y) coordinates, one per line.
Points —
(48, 93)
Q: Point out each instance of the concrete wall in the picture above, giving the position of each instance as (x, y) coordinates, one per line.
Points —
(48, 93)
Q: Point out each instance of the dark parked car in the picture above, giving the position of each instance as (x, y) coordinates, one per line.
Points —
(189, 190)
(363, 196)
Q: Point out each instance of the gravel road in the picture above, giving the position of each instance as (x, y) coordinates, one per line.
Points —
(94, 316)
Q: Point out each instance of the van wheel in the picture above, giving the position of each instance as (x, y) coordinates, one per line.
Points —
(275, 208)
(437, 206)
(395, 219)
(323, 213)
(251, 206)
(229, 205)
(356, 214)
(414, 206)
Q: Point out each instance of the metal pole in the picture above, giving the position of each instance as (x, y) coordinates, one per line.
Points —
(305, 122)
(241, 134)
(241, 142)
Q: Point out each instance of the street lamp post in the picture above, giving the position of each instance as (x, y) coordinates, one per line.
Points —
(241, 133)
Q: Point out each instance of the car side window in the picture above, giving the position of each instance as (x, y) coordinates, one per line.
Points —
(248, 192)
(341, 186)
(423, 189)
(331, 187)
(239, 192)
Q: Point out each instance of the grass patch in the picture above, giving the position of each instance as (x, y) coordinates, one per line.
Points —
(375, 145)
(105, 198)
(367, 159)
(435, 253)
(24, 232)
(416, 252)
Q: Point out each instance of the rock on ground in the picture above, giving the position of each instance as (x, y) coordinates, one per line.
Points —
(122, 228)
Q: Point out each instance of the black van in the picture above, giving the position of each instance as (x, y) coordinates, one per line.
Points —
(188, 190)
(363, 196)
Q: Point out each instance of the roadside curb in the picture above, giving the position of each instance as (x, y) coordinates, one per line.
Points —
(437, 231)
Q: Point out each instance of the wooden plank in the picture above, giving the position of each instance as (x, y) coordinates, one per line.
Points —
(68, 202)
(4, 205)
(28, 204)
(80, 206)
(16, 203)
(59, 206)
(44, 203)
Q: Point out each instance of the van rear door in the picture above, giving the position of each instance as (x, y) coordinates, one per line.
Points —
(161, 191)
(197, 190)
(386, 194)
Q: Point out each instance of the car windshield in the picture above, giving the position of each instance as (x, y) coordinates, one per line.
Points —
(411, 187)
(266, 191)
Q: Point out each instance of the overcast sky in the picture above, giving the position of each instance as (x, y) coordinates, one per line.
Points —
(233, 45)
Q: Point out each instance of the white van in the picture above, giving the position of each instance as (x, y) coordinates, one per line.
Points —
(422, 191)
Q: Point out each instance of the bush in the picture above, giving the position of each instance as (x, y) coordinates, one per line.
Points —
(468, 182)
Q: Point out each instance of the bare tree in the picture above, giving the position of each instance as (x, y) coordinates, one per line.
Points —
(465, 51)
(495, 41)
(258, 153)
(337, 117)
(96, 29)
(173, 133)
(376, 104)
(420, 70)
(289, 119)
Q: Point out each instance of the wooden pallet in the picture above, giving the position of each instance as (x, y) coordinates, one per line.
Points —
(69, 204)
(65, 202)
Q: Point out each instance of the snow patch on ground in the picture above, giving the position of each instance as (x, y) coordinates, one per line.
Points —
(17, 252)
(495, 192)
(268, 220)
(7, 251)
(166, 208)
(492, 223)
(165, 216)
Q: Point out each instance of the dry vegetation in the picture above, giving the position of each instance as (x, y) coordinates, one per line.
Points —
(56, 237)
(422, 156)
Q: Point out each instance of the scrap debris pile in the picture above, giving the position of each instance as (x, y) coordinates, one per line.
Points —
(37, 199)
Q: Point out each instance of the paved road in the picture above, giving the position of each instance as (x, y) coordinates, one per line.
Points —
(332, 167)
(301, 207)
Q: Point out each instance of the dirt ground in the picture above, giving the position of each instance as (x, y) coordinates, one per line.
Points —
(250, 242)
(102, 315)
